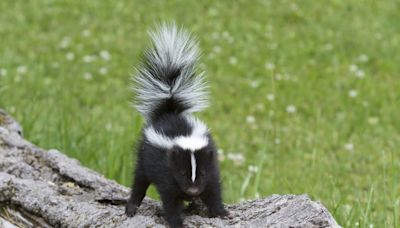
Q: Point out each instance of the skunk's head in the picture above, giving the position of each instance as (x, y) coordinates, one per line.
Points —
(191, 169)
(190, 150)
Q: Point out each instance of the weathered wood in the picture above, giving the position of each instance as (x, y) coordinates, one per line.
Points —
(47, 189)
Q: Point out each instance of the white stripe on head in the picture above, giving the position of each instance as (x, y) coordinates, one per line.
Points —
(192, 142)
(193, 163)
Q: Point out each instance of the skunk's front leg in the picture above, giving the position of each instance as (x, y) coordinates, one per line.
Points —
(172, 206)
(213, 200)
(138, 192)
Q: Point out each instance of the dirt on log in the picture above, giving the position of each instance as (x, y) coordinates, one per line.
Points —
(45, 188)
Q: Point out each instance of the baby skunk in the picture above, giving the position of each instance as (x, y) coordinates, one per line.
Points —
(176, 153)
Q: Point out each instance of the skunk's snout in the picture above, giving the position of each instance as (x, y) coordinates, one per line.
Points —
(193, 191)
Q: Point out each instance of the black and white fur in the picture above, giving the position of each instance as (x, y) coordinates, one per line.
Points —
(177, 153)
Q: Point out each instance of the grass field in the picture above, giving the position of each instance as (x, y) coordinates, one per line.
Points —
(305, 94)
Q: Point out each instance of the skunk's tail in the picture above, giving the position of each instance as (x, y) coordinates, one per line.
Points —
(168, 80)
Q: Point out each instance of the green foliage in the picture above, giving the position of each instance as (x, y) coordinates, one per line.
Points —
(304, 93)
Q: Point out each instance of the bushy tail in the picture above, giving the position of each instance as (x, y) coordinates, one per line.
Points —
(167, 80)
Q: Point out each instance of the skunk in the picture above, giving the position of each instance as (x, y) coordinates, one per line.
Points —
(176, 153)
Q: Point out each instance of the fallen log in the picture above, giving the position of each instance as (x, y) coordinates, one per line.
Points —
(40, 188)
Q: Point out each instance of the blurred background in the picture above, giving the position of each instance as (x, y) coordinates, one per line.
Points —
(305, 94)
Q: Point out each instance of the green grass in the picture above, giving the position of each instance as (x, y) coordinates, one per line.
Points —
(340, 149)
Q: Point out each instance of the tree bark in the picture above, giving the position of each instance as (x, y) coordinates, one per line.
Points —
(48, 189)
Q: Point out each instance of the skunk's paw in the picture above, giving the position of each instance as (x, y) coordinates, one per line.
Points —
(225, 214)
(130, 210)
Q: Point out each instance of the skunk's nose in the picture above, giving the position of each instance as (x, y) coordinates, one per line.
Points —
(193, 191)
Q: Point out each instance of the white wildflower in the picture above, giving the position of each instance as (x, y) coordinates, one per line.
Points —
(88, 58)
(270, 97)
(254, 84)
(105, 55)
(216, 49)
(65, 42)
(3, 72)
(86, 33)
(237, 158)
(353, 68)
(373, 120)
(22, 70)
(108, 127)
(70, 56)
(87, 76)
(363, 58)
(349, 146)
(253, 169)
(353, 93)
(250, 119)
(232, 61)
(270, 66)
(291, 109)
(277, 141)
(103, 70)
(360, 74)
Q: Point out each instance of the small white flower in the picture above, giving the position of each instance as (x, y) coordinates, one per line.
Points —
(103, 70)
(70, 56)
(294, 7)
(353, 68)
(270, 97)
(55, 64)
(254, 84)
(273, 46)
(22, 70)
(217, 49)
(225, 34)
(291, 109)
(232, 61)
(257, 195)
(250, 119)
(360, 74)
(353, 93)
(260, 106)
(328, 47)
(3, 72)
(277, 141)
(237, 158)
(357, 223)
(87, 76)
(363, 58)
(278, 77)
(88, 58)
(65, 42)
(349, 146)
(253, 169)
(373, 120)
(86, 33)
(108, 126)
(105, 55)
(270, 66)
